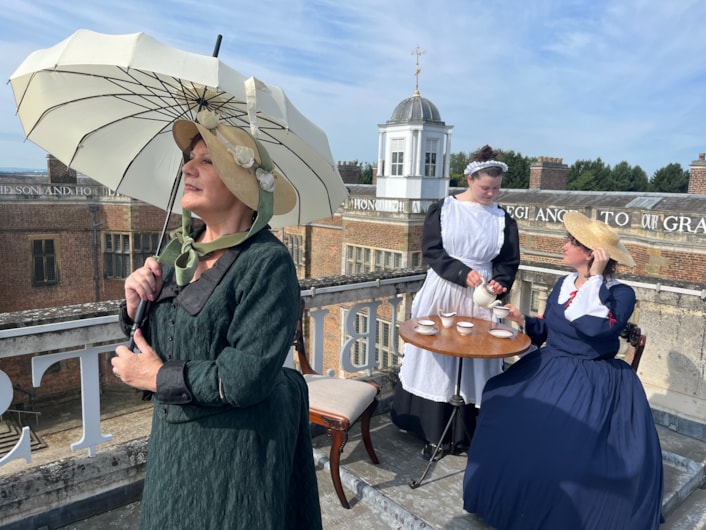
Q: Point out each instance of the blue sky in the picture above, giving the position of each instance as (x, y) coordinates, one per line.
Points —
(576, 79)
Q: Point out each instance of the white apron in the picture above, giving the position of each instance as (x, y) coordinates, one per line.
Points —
(472, 233)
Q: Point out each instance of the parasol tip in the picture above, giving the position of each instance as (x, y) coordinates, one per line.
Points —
(218, 45)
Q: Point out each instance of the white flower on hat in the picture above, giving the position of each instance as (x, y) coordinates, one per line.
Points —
(208, 119)
(266, 179)
(243, 155)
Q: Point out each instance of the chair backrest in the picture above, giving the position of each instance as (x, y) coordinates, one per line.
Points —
(635, 338)
(299, 345)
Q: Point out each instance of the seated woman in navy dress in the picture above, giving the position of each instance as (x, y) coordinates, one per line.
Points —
(565, 437)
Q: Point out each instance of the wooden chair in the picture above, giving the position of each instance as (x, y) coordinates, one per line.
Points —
(636, 345)
(336, 404)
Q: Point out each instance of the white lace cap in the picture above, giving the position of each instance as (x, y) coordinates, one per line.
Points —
(477, 166)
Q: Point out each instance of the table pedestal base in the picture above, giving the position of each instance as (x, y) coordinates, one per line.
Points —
(479, 344)
(457, 402)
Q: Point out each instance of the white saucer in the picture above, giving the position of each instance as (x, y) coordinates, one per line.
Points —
(432, 331)
(501, 333)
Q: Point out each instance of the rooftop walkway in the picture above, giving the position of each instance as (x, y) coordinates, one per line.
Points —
(380, 496)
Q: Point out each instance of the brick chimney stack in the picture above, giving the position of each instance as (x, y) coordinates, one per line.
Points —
(58, 173)
(350, 172)
(697, 175)
(548, 173)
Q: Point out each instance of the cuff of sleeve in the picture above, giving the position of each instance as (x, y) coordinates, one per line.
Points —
(124, 319)
(462, 275)
(171, 385)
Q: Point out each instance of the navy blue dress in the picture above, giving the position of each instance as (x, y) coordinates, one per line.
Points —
(565, 438)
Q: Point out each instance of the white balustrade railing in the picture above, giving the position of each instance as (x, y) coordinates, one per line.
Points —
(85, 339)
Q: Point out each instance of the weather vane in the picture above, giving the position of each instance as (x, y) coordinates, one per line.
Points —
(418, 71)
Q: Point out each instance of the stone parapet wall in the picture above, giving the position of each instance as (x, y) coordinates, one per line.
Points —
(26, 495)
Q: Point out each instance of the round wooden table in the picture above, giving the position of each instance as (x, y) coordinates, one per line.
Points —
(479, 344)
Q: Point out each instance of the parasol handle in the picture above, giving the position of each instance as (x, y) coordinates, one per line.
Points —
(139, 315)
(142, 308)
(144, 304)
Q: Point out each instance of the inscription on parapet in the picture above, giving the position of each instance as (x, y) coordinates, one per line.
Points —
(653, 222)
(34, 190)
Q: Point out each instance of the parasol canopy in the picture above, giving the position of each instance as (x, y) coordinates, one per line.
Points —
(104, 105)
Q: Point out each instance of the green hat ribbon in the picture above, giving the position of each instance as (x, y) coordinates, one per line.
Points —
(184, 253)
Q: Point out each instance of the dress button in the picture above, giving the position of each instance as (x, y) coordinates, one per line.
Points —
(170, 338)
(169, 356)
(164, 410)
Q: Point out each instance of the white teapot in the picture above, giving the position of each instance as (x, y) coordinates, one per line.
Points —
(483, 295)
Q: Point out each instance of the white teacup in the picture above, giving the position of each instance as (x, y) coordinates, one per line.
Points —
(425, 325)
(464, 328)
(446, 317)
(483, 295)
(501, 311)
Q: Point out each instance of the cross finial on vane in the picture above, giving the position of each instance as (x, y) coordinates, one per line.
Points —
(418, 71)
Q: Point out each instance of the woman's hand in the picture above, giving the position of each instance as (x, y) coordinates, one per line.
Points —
(138, 370)
(600, 260)
(515, 315)
(143, 284)
(473, 279)
(498, 288)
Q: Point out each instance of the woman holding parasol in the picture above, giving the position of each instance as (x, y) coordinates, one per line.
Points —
(230, 444)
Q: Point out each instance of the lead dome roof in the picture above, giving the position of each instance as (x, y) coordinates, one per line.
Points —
(415, 109)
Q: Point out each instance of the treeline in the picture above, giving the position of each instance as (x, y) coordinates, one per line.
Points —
(583, 175)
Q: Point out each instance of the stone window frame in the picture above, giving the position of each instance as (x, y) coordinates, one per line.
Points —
(361, 259)
(432, 147)
(130, 252)
(49, 275)
(397, 146)
(358, 259)
(295, 246)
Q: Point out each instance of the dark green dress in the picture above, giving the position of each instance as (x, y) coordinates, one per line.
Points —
(230, 446)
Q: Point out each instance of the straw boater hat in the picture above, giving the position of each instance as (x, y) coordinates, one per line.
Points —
(242, 162)
(592, 233)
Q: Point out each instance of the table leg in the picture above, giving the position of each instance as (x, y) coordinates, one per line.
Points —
(456, 401)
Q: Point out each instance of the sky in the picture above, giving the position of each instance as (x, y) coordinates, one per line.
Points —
(620, 80)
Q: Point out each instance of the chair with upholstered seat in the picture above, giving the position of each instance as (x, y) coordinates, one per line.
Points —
(635, 345)
(336, 404)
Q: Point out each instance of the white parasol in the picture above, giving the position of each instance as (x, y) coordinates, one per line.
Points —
(105, 104)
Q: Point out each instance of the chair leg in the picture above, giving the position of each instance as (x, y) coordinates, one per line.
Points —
(365, 431)
(338, 440)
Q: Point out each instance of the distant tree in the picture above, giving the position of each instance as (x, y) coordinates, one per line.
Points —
(457, 164)
(589, 175)
(622, 176)
(639, 179)
(586, 181)
(366, 173)
(670, 179)
(518, 170)
(626, 178)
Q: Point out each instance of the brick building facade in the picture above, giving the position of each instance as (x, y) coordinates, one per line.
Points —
(98, 238)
